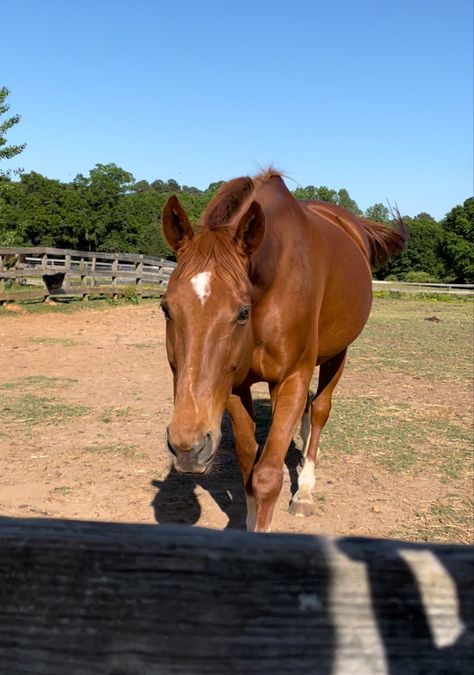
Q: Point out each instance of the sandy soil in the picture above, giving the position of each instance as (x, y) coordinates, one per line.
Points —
(107, 461)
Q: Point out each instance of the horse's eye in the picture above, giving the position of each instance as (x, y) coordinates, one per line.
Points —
(166, 311)
(243, 315)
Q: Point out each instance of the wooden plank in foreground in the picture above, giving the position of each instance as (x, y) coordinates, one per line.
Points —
(89, 598)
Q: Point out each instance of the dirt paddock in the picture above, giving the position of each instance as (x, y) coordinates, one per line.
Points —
(85, 397)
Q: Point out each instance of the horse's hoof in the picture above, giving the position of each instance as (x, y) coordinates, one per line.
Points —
(300, 508)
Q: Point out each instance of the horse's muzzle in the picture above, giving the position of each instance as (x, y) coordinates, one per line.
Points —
(196, 459)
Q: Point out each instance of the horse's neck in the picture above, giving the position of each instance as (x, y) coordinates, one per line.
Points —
(282, 240)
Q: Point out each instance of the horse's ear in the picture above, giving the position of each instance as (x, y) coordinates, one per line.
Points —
(175, 223)
(250, 229)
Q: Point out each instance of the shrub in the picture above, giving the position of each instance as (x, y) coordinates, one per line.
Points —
(417, 276)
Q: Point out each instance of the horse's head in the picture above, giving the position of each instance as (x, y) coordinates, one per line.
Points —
(209, 339)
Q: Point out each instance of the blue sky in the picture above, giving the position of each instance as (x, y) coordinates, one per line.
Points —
(371, 95)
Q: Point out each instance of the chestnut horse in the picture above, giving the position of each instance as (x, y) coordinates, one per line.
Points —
(265, 290)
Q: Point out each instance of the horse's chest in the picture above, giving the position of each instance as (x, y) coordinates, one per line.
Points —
(272, 359)
(264, 369)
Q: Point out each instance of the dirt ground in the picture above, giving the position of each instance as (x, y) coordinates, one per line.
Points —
(86, 398)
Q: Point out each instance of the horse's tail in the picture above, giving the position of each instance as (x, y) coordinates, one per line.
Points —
(386, 242)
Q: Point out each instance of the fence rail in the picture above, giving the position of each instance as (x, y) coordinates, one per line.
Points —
(63, 272)
(100, 598)
(56, 272)
(418, 287)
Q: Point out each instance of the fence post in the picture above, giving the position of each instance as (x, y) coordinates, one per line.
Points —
(139, 279)
(2, 282)
(114, 278)
(83, 273)
(67, 265)
(44, 266)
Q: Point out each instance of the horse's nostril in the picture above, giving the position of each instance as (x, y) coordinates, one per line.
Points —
(206, 448)
(196, 458)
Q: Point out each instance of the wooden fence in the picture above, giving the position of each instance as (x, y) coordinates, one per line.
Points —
(113, 599)
(420, 288)
(62, 272)
(55, 272)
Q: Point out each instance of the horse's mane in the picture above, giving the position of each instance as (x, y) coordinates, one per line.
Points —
(213, 241)
(231, 197)
(226, 202)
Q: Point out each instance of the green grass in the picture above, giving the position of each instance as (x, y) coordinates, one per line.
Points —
(63, 342)
(63, 490)
(115, 449)
(399, 337)
(111, 413)
(399, 436)
(442, 522)
(63, 305)
(434, 297)
(14, 287)
(41, 381)
(31, 410)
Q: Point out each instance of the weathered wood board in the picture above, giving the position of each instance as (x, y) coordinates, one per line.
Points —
(115, 599)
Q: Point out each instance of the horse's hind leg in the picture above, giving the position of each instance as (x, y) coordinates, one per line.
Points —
(315, 417)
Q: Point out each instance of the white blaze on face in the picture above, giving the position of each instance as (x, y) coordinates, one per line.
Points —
(202, 285)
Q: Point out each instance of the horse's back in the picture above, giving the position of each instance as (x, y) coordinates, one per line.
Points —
(342, 266)
(315, 274)
(342, 219)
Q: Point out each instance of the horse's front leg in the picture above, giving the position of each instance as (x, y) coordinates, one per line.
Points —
(288, 399)
(240, 409)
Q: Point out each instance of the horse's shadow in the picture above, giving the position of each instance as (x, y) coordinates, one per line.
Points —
(176, 500)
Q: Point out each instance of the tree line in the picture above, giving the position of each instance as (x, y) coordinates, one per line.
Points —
(109, 210)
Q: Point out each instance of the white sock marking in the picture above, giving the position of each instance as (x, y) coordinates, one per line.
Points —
(201, 285)
(305, 431)
(306, 481)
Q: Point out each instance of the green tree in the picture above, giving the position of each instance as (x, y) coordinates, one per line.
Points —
(7, 151)
(172, 185)
(9, 235)
(344, 200)
(106, 185)
(325, 194)
(311, 192)
(378, 213)
(38, 210)
(458, 242)
(190, 189)
(423, 252)
(141, 213)
(425, 217)
(141, 186)
(159, 185)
